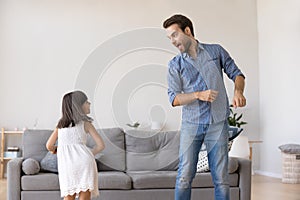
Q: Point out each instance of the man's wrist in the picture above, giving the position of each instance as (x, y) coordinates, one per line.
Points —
(196, 95)
(238, 91)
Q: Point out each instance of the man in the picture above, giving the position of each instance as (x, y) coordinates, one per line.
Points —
(195, 81)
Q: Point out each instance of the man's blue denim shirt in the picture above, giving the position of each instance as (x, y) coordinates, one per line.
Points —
(183, 77)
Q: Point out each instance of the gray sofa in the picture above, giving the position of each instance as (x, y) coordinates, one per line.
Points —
(134, 165)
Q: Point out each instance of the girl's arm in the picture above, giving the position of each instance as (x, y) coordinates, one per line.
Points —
(50, 145)
(89, 128)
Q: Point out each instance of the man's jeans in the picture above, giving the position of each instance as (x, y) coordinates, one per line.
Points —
(215, 137)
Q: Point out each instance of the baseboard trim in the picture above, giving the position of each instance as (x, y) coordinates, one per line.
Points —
(270, 174)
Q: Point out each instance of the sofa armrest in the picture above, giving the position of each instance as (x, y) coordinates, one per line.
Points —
(245, 174)
(14, 170)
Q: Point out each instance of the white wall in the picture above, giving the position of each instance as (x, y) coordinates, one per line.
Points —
(279, 41)
(45, 46)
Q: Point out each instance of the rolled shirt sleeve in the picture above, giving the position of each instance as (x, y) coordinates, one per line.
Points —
(230, 68)
(174, 81)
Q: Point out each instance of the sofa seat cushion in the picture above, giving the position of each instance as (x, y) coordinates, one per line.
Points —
(153, 179)
(167, 179)
(205, 180)
(41, 181)
(114, 180)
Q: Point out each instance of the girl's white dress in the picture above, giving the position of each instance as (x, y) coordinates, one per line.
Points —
(77, 169)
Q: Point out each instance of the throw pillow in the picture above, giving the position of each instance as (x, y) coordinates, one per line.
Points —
(290, 148)
(30, 166)
(202, 165)
(49, 163)
(230, 145)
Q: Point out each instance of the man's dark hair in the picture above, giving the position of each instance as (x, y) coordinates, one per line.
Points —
(182, 22)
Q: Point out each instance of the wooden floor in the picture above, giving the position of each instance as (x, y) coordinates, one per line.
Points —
(263, 188)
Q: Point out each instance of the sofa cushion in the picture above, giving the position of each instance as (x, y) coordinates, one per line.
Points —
(205, 180)
(41, 181)
(151, 151)
(153, 179)
(114, 180)
(30, 166)
(113, 156)
(167, 179)
(202, 165)
(34, 143)
(50, 181)
(233, 165)
(290, 148)
(49, 163)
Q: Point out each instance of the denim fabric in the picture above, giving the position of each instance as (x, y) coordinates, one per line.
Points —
(215, 137)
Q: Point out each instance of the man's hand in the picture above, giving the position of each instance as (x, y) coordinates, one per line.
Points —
(238, 100)
(186, 98)
(207, 95)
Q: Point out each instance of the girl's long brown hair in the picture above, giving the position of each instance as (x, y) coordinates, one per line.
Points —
(72, 109)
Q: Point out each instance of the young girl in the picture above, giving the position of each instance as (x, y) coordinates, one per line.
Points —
(77, 169)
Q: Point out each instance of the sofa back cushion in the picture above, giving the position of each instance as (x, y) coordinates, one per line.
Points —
(113, 156)
(34, 143)
(151, 150)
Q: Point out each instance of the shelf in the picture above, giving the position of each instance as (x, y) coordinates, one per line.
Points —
(13, 132)
(7, 158)
(2, 158)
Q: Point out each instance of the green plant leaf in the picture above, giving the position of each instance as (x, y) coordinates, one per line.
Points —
(239, 117)
(135, 125)
(234, 118)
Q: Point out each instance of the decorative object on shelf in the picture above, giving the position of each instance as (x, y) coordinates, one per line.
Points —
(12, 152)
(14, 148)
(135, 125)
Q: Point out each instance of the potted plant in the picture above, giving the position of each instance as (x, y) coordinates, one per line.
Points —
(235, 123)
(234, 120)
